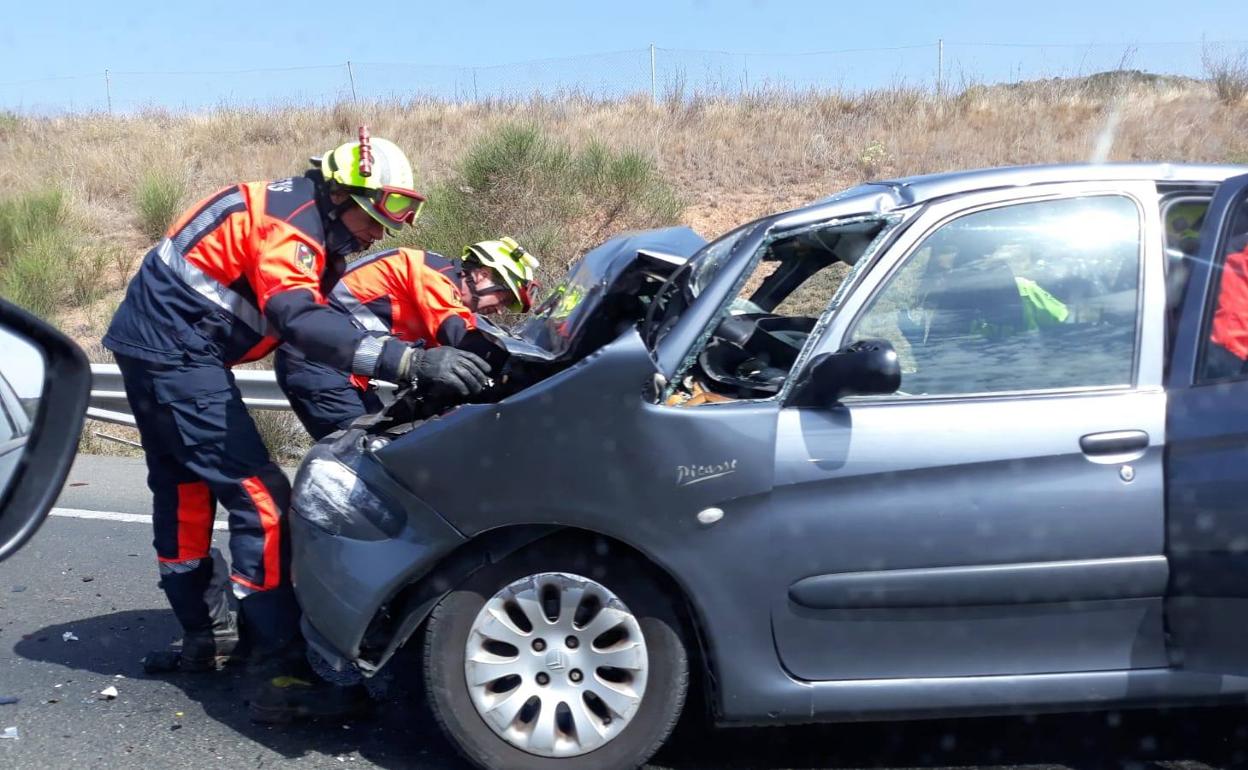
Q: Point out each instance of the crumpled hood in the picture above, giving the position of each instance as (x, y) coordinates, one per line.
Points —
(550, 332)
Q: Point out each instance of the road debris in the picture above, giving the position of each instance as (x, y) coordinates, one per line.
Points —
(69, 636)
(108, 693)
(6, 700)
(87, 579)
(18, 589)
(9, 733)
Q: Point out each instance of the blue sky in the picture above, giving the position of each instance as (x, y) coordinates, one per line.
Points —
(430, 47)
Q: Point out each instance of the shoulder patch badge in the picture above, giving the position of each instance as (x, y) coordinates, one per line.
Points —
(305, 259)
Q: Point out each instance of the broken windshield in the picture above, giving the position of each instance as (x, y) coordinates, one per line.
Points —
(714, 256)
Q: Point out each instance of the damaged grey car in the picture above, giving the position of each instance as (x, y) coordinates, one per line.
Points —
(945, 445)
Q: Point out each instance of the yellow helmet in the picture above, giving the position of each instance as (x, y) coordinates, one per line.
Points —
(511, 263)
(378, 176)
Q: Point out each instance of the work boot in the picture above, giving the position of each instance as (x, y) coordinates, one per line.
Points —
(199, 651)
(196, 591)
(293, 690)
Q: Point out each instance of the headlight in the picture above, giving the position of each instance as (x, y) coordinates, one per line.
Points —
(329, 495)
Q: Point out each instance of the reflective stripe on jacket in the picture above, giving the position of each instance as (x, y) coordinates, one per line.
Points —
(409, 293)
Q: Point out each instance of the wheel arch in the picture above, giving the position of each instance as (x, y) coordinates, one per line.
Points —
(411, 605)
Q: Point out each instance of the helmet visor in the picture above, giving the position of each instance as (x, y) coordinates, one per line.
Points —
(392, 206)
(521, 294)
(399, 205)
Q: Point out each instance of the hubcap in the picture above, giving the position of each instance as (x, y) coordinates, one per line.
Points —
(576, 689)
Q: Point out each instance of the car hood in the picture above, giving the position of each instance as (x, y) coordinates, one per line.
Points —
(552, 331)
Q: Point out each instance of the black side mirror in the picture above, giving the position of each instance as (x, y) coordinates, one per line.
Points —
(45, 382)
(864, 368)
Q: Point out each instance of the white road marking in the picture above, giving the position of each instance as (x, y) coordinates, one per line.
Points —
(129, 518)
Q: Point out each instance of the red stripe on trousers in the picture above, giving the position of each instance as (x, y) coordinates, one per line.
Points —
(195, 513)
(270, 522)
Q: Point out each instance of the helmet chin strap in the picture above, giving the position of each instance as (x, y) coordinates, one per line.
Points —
(339, 240)
(470, 283)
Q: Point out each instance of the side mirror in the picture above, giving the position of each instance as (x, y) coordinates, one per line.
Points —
(45, 382)
(864, 368)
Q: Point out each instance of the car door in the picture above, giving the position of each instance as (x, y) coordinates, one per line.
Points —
(1003, 513)
(1207, 447)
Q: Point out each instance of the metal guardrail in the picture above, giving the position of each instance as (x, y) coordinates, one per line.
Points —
(108, 394)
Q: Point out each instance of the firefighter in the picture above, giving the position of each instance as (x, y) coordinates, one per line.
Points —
(1227, 356)
(419, 297)
(242, 271)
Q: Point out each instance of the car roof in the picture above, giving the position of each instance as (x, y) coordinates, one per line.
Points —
(890, 194)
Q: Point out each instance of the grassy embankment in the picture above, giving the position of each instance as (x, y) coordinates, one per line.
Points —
(83, 196)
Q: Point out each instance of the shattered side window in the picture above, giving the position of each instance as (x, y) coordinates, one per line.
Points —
(754, 341)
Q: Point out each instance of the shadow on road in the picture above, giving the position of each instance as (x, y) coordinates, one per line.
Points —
(116, 642)
(401, 735)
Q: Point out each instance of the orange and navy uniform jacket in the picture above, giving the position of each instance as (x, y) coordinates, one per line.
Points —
(1230, 318)
(242, 271)
(405, 293)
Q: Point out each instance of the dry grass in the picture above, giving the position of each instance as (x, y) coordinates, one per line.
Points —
(1228, 74)
(728, 159)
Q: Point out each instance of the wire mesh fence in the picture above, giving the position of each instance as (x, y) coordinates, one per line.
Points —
(652, 72)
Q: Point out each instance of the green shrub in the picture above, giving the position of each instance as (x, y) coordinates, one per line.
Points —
(26, 217)
(557, 201)
(46, 264)
(159, 200)
(38, 251)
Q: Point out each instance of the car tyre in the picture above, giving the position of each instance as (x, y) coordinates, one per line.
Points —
(452, 622)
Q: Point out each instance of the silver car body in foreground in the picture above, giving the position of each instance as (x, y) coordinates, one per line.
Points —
(1005, 533)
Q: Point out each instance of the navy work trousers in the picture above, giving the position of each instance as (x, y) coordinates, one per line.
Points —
(202, 447)
(322, 397)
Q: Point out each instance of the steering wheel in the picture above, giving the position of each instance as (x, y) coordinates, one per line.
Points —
(753, 352)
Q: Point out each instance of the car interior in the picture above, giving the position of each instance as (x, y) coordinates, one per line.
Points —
(759, 335)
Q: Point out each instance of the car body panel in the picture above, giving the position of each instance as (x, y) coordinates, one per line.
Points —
(351, 578)
(855, 567)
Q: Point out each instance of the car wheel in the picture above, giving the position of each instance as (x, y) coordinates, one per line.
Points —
(534, 665)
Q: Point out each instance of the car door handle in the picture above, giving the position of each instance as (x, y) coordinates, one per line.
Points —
(1114, 446)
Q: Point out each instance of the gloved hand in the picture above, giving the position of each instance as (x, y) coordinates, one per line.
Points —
(445, 368)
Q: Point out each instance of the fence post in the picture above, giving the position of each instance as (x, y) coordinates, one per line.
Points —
(654, 91)
(108, 91)
(940, 67)
(351, 77)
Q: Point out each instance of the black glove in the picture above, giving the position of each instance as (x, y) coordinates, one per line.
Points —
(446, 368)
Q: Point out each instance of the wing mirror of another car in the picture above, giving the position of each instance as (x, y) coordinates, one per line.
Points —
(45, 382)
(863, 368)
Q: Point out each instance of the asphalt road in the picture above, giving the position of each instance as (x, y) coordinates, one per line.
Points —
(96, 579)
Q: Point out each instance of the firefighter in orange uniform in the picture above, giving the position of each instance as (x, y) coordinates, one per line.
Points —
(419, 297)
(1228, 356)
(241, 272)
